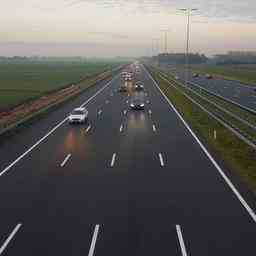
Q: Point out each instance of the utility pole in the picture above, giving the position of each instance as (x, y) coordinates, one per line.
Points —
(188, 11)
(166, 41)
(165, 31)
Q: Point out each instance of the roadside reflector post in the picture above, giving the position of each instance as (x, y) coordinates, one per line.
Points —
(215, 135)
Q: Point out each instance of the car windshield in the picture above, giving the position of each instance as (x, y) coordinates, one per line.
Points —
(77, 112)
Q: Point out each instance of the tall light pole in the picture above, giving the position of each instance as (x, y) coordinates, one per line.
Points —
(155, 45)
(188, 11)
(165, 40)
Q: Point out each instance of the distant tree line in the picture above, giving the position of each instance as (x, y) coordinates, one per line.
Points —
(236, 58)
(180, 58)
(41, 58)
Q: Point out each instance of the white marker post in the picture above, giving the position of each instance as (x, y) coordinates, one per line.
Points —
(215, 135)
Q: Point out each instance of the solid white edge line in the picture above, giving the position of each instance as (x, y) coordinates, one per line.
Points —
(65, 160)
(121, 128)
(94, 240)
(52, 130)
(10, 237)
(88, 128)
(221, 172)
(161, 159)
(154, 128)
(113, 160)
(181, 241)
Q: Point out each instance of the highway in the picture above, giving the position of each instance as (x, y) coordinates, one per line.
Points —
(127, 183)
(233, 90)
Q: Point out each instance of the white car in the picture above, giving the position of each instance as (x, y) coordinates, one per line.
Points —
(128, 77)
(123, 74)
(78, 115)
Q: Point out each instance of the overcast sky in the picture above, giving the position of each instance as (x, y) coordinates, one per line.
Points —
(123, 27)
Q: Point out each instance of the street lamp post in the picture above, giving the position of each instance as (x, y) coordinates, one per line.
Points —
(165, 31)
(188, 11)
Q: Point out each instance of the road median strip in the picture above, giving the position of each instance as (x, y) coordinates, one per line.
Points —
(240, 120)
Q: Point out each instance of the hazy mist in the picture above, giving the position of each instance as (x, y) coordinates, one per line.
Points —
(117, 27)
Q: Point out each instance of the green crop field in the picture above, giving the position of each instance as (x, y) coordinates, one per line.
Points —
(24, 80)
(245, 73)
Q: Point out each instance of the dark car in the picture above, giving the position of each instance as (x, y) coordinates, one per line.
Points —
(137, 102)
(123, 88)
(195, 75)
(208, 76)
(139, 86)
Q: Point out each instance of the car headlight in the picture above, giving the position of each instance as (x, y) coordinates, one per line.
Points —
(142, 105)
(132, 105)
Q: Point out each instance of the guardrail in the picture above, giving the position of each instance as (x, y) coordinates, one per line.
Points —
(240, 134)
(252, 111)
(219, 107)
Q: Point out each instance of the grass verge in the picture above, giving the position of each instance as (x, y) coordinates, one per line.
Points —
(26, 117)
(248, 131)
(237, 155)
(244, 73)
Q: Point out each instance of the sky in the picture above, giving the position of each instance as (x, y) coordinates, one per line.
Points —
(108, 28)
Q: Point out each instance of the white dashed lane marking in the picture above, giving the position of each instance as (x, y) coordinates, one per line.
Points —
(88, 128)
(65, 160)
(181, 241)
(94, 240)
(10, 237)
(113, 160)
(161, 159)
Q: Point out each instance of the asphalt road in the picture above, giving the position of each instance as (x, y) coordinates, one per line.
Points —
(127, 183)
(230, 89)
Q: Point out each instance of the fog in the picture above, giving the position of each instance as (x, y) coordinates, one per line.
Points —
(123, 28)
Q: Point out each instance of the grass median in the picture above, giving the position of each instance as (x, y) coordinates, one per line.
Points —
(246, 115)
(244, 73)
(238, 156)
(234, 122)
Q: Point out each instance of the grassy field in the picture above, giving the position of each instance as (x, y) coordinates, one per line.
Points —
(245, 73)
(24, 80)
(238, 156)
